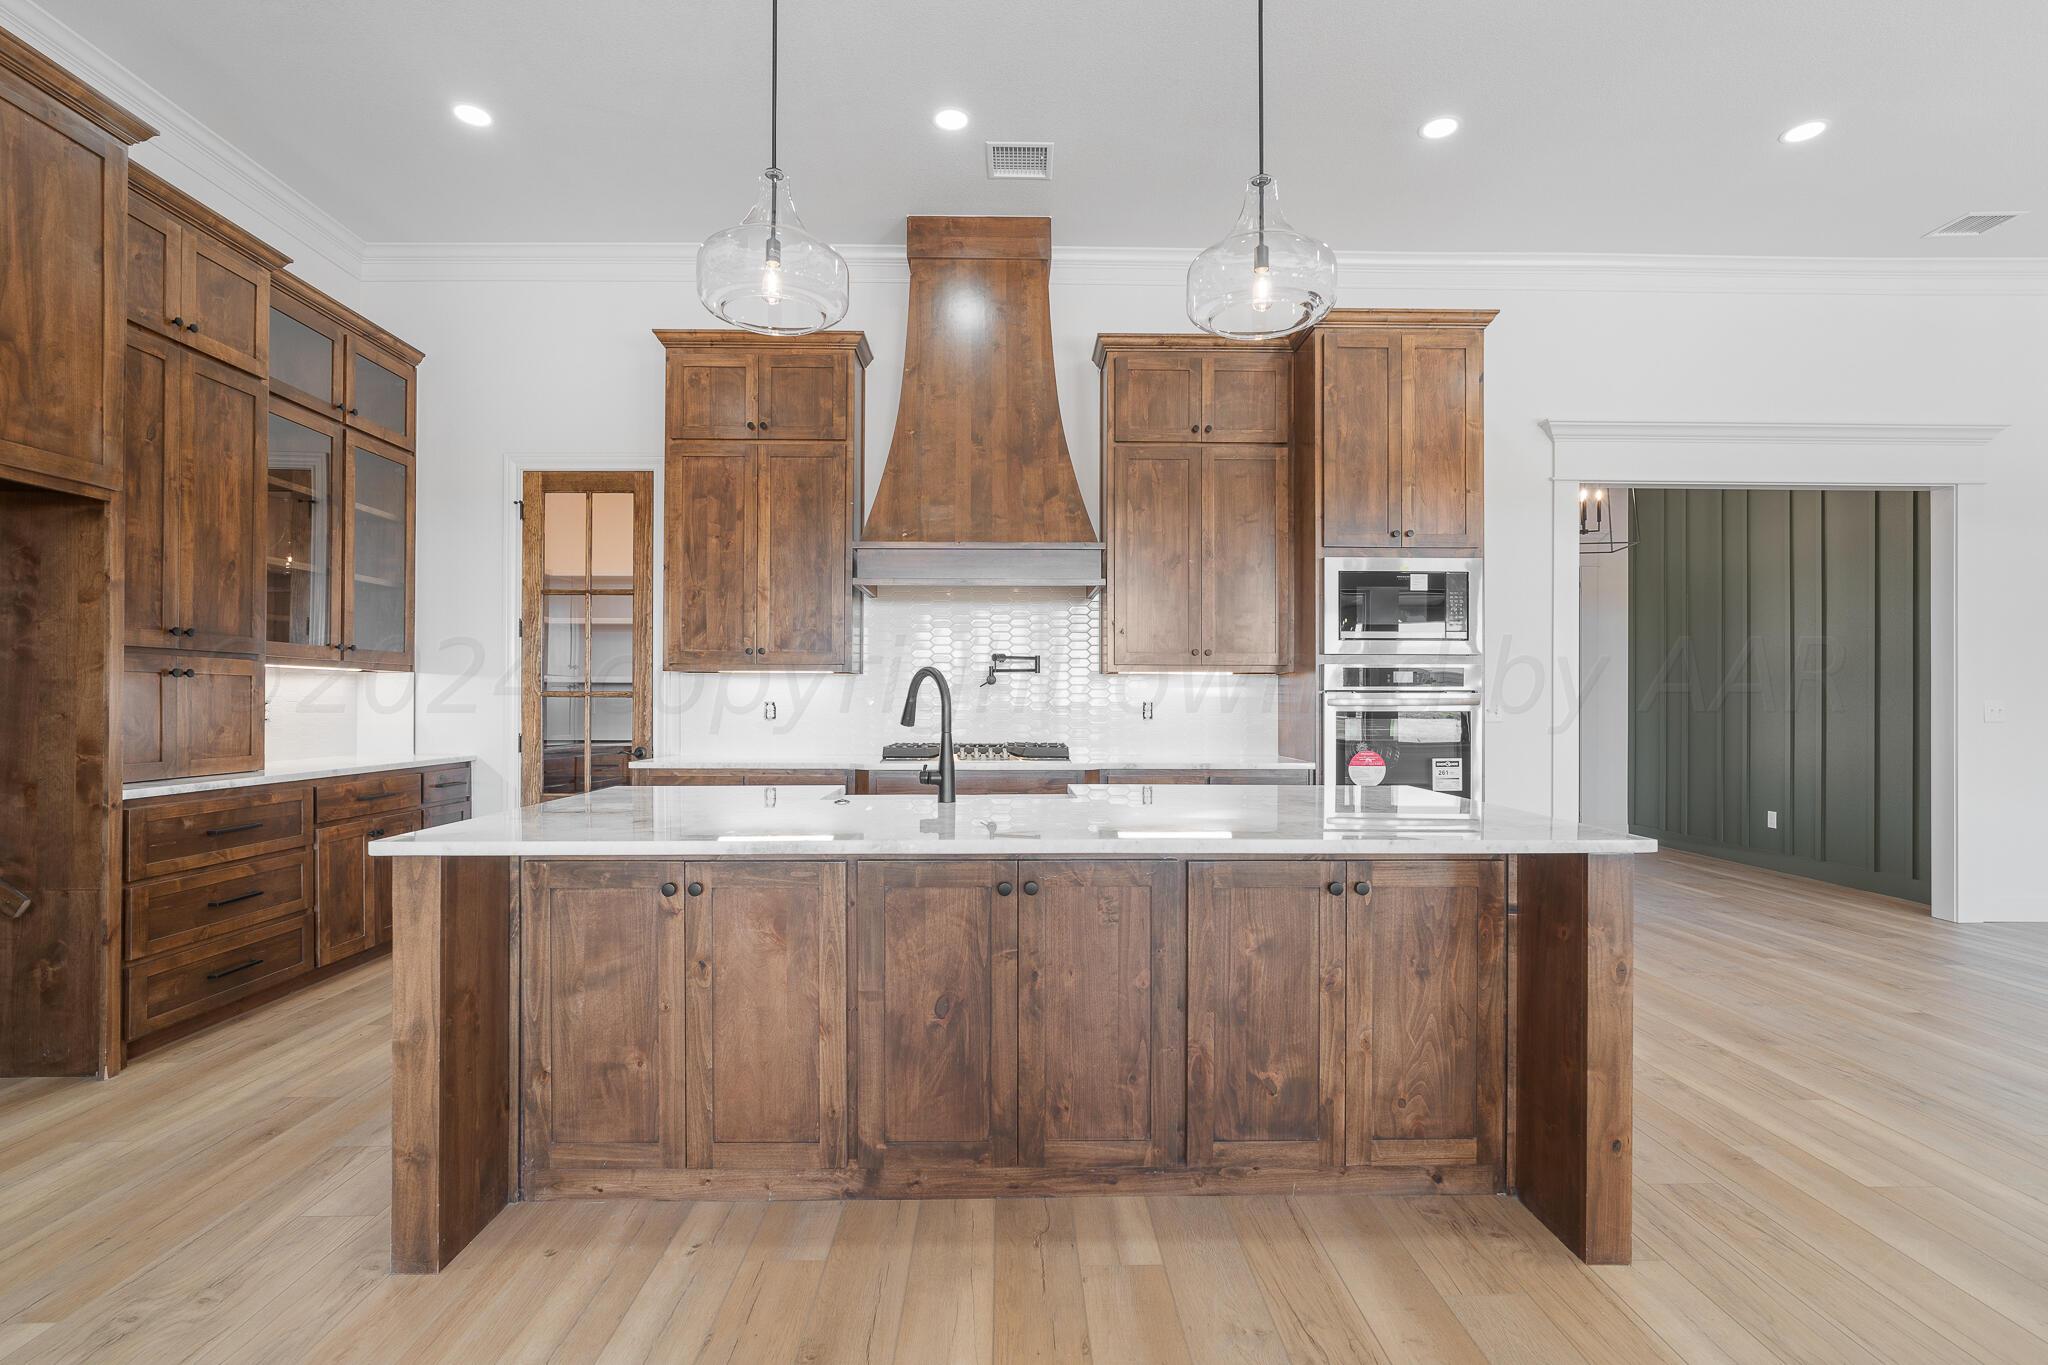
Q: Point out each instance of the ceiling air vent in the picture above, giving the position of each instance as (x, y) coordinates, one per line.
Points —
(1019, 160)
(1973, 224)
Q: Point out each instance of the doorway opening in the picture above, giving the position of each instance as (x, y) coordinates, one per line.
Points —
(586, 629)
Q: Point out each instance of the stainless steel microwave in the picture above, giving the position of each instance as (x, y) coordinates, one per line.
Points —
(1401, 606)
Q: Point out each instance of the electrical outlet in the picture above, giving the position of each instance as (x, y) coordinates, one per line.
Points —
(1994, 713)
(1770, 819)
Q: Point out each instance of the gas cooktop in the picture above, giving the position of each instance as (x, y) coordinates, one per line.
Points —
(978, 753)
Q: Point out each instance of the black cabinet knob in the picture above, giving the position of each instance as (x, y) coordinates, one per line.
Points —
(1031, 888)
(1409, 534)
(351, 412)
(760, 653)
(377, 833)
(178, 322)
(764, 426)
(1336, 888)
(1206, 428)
(1362, 888)
(1194, 654)
(696, 888)
(1003, 888)
(340, 406)
(748, 651)
(639, 751)
(668, 888)
(1196, 428)
(750, 426)
(191, 326)
(1207, 652)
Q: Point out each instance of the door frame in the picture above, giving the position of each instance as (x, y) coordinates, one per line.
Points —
(529, 620)
(1944, 459)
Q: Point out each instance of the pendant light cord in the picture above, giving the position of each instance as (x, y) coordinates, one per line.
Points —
(775, 103)
(1262, 122)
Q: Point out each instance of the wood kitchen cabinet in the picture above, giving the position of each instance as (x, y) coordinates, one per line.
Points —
(196, 439)
(377, 552)
(352, 910)
(195, 277)
(62, 220)
(1237, 392)
(762, 489)
(329, 358)
(1398, 445)
(189, 715)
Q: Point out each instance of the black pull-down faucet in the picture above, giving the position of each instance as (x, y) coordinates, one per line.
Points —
(944, 781)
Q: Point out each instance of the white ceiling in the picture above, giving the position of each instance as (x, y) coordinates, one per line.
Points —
(1589, 125)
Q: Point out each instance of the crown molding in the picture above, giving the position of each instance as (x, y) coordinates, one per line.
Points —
(186, 152)
(1775, 433)
(1359, 272)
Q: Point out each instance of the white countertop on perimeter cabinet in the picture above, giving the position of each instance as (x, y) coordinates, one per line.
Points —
(305, 770)
(1087, 762)
(1089, 821)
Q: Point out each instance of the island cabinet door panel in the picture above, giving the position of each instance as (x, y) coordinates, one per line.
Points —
(1427, 994)
(804, 599)
(709, 561)
(1155, 548)
(765, 1015)
(936, 969)
(1101, 1022)
(605, 963)
(1265, 1014)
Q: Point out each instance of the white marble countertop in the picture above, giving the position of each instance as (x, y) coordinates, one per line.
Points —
(303, 770)
(869, 761)
(1091, 821)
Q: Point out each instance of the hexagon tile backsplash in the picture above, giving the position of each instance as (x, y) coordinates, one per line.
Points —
(1195, 715)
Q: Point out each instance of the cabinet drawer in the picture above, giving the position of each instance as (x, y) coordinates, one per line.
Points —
(1159, 777)
(441, 786)
(433, 817)
(180, 985)
(344, 798)
(198, 907)
(1263, 777)
(179, 836)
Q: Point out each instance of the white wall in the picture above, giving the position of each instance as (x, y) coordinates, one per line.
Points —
(1603, 675)
(547, 352)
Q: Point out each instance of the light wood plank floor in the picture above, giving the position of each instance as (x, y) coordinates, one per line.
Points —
(1842, 1155)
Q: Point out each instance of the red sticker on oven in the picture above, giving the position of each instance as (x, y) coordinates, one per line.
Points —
(1367, 768)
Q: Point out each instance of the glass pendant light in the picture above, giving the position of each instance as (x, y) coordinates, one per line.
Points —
(767, 274)
(1264, 279)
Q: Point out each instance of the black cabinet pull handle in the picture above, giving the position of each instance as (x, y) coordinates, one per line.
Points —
(1336, 888)
(1031, 888)
(245, 896)
(351, 412)
(696, 888)
(372, 796)
(1362, 888)
(338, 407)
(668, 888)
(377, 833)
(238, 967)
(1003, 888)
(234, 829)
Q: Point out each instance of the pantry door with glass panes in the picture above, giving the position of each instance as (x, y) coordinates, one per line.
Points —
(586, 707)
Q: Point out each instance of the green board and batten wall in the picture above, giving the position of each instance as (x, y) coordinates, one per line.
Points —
(1778, 661)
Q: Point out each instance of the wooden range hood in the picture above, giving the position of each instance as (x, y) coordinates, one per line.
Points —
(979, 490)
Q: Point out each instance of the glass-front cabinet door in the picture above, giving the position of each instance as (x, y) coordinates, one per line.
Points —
(377, 613)
(305, 354)
(380, 393)
(302, 593)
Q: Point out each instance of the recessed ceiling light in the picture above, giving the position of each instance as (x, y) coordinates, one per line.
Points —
(1439, 127)
(952, 120)
(1804, 132)
(472, 115)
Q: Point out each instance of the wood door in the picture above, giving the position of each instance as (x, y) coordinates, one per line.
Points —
(1441, 439)
(1155, 397)
(802, 395)
(804, 583)
(63, 211)
(344, 913)
(214, 510)
(226, 303)
(307, 350)
(710, 395)
(303, 532)
(935, 966)
(1155, 547)
(1426, 992)
(155, 268)
(381, 393)
(148, 719)
(1245, 564)
(1362, 475)
(1101, 1018)
(377, 587)
(379, 886)
(603, 1029)
(1247, 398)
(219, 714)
(1265, 1014)
(152, 384)
(709, 565)
(765, 1063)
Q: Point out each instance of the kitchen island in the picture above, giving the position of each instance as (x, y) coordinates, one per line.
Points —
(792, 992)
